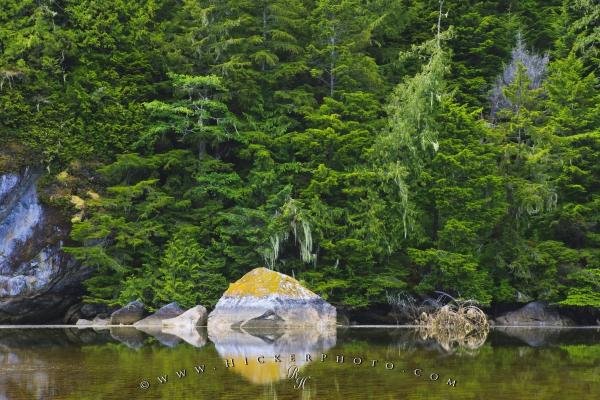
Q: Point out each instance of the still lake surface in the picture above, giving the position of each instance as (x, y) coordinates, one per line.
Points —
(123, 363)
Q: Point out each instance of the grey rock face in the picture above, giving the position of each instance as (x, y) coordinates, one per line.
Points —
(169, 311)
(38, 282)
(128, 315)
(536, 313)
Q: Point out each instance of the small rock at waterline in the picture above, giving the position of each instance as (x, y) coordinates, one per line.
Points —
(169, 311)
(99, 321)
(536, 313)
(129, 314)
(195, 316)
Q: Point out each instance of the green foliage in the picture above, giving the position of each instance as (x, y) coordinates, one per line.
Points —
(352, 144)
(451, 272)
(185, 275)
(413, 111)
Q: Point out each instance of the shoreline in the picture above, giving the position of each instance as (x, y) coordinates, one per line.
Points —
(366, 326)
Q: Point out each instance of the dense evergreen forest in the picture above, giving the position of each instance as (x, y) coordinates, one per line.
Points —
(366, 147)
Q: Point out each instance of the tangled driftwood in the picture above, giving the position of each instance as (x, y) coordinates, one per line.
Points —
(455, 325)
(452, 323)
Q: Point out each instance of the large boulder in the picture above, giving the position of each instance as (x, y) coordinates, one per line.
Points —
(536, 313)
(38, 281)
(266, 299)
(169, 311)
(131, 313)
(195, 316)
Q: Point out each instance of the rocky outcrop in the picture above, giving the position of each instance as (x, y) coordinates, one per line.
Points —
(131, 313)
(169, 311)
(265, 298)
(38, 282)
(536, 313)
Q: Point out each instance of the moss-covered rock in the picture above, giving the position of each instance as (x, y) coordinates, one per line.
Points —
(264, 297)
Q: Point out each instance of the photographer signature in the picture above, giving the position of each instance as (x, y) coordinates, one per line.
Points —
(299, 380)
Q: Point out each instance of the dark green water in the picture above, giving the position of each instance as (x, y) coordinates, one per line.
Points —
(509, 365)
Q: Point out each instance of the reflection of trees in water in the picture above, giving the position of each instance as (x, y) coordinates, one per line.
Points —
(23, 375)
(28, 359)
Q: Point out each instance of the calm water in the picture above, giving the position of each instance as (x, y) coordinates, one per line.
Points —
(119, 364)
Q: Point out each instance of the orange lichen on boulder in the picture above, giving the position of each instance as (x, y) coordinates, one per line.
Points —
(268, 299)
(262, 282)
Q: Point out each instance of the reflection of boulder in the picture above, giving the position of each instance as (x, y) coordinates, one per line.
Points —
(536, 313)
(88, 336)
(195, 316)
(534, 337)
(129, 336)
(196, 336)
(169, 311)
(267, 298)
(129, 314)
(166, 339)
(238, 345)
